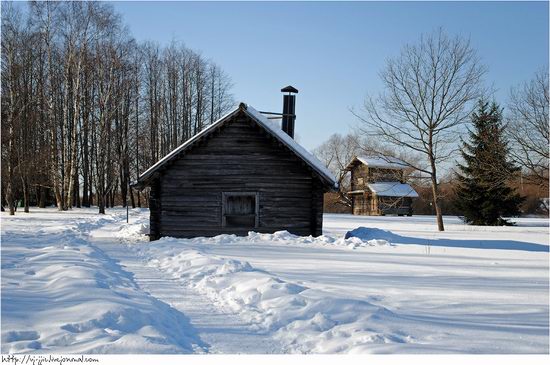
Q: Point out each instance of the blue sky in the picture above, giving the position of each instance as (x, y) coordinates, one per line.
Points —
(332, 51)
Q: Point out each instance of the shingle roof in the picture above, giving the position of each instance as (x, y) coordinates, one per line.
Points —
(268, 125)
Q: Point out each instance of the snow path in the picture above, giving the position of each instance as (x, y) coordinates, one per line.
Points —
(223, 332)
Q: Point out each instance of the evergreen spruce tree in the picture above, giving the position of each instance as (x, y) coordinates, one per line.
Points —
(484, 194)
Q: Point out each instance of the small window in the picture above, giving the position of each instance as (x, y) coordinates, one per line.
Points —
(360, 181)
(240, 210)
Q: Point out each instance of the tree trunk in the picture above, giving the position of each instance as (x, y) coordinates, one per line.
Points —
(113, 199)
(85, 200)
(9, 198)
(435, 185)
(132, 200)
(124, 196)
(90, 193)
(25, 185)
(76, 193)
(58, 199)
(124, 186)
(42, 197)
(101, 203)
(435, 196)
(435, 201)
(85, 169)
(73, 154)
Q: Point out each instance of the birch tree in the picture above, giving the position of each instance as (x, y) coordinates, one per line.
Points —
(11, 107)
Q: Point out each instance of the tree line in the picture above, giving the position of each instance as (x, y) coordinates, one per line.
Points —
(86, 108)
(429, 95)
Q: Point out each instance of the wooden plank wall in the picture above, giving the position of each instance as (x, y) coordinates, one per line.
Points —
(317, 208)
(240, 156)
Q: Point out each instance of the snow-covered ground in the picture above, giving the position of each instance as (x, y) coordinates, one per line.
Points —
(77, 282)
(61, 293)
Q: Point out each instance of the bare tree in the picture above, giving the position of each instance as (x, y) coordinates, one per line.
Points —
(77, 18)
(336, 153)
(11, 108)
(528, 128)
(428, 94)
(85, 108)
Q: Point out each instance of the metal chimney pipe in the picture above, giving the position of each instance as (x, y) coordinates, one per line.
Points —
(289, 110)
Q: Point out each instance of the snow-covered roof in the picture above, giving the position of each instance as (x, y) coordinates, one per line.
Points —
(392, 189)
(381, 162)
(270, 126)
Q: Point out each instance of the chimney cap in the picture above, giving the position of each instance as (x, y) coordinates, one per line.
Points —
(289, 89)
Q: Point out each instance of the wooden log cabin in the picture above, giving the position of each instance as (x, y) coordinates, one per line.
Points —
(378, 187)
(242, 173)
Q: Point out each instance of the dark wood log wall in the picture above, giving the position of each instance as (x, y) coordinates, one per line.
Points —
(317, 195)
(239, 156)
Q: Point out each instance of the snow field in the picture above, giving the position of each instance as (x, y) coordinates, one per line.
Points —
(61, 294)
(369, 285)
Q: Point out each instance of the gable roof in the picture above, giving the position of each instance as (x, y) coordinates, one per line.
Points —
(380, 162)
(268, 125)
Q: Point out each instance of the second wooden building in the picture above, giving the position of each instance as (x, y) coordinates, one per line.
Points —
(378, 187)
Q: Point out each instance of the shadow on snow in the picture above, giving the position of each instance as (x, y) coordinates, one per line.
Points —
(365, 233)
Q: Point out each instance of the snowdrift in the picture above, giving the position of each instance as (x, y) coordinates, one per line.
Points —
(286, 238)
(78, 300)
(361, 237)
(302, 319)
